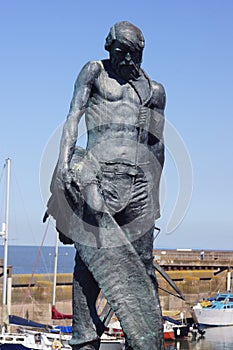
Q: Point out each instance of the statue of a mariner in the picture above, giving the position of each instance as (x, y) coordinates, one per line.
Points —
(105, 198)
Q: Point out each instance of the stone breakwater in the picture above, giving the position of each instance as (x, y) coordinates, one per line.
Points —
(197, 279)
(31, 297)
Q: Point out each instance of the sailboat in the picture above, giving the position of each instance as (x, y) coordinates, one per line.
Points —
(32, 335)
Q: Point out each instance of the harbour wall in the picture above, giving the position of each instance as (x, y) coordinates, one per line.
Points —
(196, 276)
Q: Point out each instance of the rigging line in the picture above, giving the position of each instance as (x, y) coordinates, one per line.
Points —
(22, 199)
(27, 293)
(4, 166)
(2, 189)
(27, 217)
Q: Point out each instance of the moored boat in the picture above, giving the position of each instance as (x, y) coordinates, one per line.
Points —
(180, 328)
(44, 341)
(168, 331)
(17, 341)
(219, 312)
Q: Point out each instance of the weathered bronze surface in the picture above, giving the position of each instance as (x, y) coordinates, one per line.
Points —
(105, 199)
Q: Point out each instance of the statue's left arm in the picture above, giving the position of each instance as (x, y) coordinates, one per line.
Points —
(156, 140)
(157, 106)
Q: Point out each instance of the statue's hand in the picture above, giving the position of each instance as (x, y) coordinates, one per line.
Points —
(63, 178)
(67, 176)
(68, 184)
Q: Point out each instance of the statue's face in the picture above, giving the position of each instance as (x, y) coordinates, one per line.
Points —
(125, 60)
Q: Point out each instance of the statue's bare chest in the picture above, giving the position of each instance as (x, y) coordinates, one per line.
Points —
(112, 89)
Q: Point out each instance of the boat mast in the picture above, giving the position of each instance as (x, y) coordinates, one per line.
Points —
(55, 271)
(228, 279)
(5, 237)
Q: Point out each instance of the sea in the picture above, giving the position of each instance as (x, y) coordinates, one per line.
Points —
(39, 260)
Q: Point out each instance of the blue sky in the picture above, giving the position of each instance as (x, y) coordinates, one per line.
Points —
(44, 44)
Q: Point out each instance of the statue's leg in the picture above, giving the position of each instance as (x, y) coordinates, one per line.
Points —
(137, 221)
(86, 324)
(124, 281)
(144, 247)
(116, 266)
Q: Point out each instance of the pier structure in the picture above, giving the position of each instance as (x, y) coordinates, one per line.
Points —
(198, 274)
(189, 259)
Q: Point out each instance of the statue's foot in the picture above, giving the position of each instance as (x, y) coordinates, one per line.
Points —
(93, 345)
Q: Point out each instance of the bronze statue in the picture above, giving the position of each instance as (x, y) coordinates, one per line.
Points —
(105, 198)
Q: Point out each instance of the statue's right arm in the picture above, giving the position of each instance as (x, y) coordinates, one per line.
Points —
(82, 91)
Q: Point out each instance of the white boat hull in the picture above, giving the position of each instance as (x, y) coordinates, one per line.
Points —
(213, 317)
(26, 341)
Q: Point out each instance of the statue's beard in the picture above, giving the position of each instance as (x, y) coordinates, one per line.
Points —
(126, 70)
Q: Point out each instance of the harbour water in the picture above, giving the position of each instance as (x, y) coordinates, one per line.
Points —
(215, 338)
(28, 259)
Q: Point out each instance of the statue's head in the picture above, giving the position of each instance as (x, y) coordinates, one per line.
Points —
(125, 44)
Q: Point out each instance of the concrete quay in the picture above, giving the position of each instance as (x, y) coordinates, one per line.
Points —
(181, 259)
(197, 277)
(198, 274)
